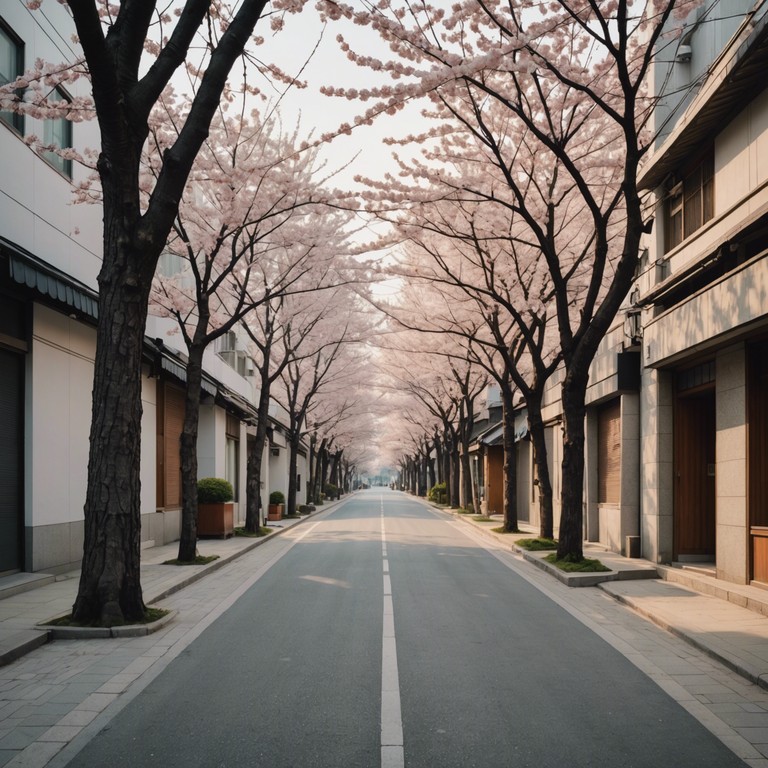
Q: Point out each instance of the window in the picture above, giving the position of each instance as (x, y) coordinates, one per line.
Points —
(58, 133)
(695, 377)
(232, 453)
(11, 66)
(690, 202)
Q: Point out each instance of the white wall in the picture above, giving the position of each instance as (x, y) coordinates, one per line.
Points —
(148, 445)
(35, 207)
(58, 416)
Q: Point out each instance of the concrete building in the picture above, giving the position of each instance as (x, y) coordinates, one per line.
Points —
(677, 403)
(50, 255)
(703, 290)
(677, 417)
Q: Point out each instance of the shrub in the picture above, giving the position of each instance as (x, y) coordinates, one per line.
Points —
(438, 493)
(537, 545)
(213, 490)
(331, 491)
(276, 497)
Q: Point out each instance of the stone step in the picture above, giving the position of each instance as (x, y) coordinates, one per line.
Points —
(17, 583)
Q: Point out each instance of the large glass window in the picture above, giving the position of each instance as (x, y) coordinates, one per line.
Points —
(11, 66)
(58, 133)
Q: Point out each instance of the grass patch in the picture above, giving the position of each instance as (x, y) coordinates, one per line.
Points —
(502, 529)
(537, 545)
(585, 565)
(481, 519)
(151, 614)
(199, 560)
(463, 511)
(263, 531)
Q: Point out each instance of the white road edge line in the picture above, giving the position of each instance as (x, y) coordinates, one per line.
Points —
(392, 753)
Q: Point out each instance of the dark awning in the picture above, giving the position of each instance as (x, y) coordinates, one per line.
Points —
(174, 365)
(48, 281)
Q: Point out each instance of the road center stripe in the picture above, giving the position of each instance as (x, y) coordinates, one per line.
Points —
(392, 755)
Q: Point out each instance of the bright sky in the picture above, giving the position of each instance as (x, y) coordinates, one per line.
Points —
(364, 151)
(328, 65)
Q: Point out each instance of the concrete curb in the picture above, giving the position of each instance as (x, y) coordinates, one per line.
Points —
(573, 580)
(48, 632)
(21, 643)
(127, 630)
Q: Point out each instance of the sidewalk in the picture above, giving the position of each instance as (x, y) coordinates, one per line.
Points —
(728, 622)
(27, 599)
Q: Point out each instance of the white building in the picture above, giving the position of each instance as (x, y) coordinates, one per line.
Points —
(50, 254)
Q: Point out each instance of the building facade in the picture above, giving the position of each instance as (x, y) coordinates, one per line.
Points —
(702, 293)
(50, 255)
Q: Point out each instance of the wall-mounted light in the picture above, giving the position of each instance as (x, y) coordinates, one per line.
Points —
(684, 53)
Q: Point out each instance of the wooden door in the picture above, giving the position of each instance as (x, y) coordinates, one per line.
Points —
(694, 471)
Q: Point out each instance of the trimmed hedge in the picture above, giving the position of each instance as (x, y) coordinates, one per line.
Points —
(438, 493)
(213, 490)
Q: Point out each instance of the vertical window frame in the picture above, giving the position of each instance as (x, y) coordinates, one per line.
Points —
(14, 120)
(690, 203)
(62, 165)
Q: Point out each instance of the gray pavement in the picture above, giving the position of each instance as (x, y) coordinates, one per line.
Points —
(728, 622)
(55, 698)
(28, 600)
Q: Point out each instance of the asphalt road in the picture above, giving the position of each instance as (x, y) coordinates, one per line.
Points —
(488, 671)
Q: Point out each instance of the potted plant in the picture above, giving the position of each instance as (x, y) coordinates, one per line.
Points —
(215, 510)
(275, 508)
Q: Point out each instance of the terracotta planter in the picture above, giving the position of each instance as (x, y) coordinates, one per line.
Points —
(216, 519)
(275, 512)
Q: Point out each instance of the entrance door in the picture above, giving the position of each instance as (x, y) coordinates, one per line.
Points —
(11, 441)
(695, 475)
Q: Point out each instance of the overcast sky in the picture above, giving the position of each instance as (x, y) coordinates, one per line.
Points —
(291, 48)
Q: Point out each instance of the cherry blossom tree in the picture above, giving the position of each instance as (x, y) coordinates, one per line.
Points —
(282, 331)
(131, 52)
(251, 228)
(570, 76)
(477, 278)
(442, 385)
(325, 356)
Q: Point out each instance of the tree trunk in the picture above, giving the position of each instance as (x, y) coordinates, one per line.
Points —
(570, 539)
(455, 475)
(293, 465)
(510, 463)
(324, 471)
(188, 539)
(466, 497)
(317, 478)
(110, 586)
(541, 460)
(254, 517)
